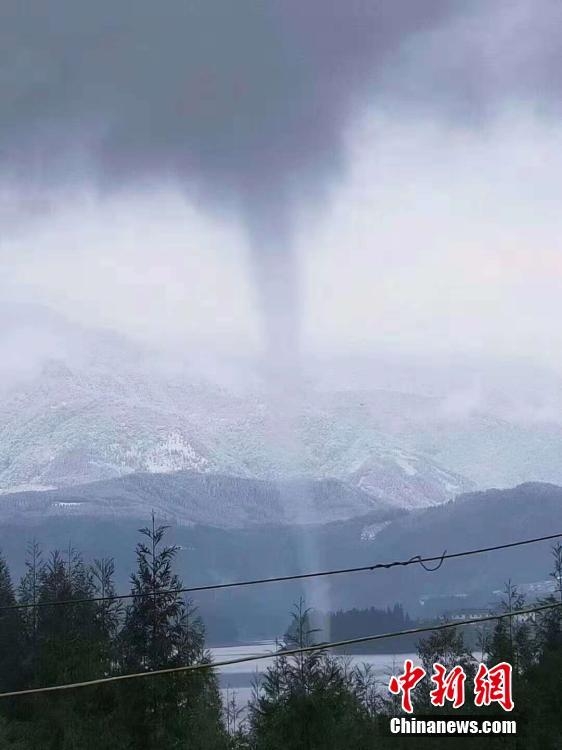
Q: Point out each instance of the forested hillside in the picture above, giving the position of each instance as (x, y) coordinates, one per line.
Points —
(61, 624)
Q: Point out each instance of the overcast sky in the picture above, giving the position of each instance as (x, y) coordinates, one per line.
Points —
(399, 170)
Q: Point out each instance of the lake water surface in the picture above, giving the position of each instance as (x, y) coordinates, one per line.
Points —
(238, 679)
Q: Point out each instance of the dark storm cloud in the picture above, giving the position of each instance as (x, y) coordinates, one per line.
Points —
(248, 99)
(240, 99)
(246, 102)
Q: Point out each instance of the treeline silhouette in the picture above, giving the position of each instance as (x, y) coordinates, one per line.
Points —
(308, 701)
(354, 623)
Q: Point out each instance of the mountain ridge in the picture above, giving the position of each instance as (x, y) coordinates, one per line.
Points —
(90, 405)
(191, 498)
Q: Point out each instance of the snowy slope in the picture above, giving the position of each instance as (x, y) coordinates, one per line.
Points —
(70, 425)
(94, 406)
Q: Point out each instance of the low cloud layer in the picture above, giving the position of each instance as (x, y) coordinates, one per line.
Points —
(239, 100)
(252, 111)
(249, 100)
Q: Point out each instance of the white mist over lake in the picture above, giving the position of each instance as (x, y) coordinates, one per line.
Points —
(239, 679)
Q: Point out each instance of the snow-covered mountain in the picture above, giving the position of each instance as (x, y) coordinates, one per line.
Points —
(94, 406)
(68, 427)
(71, 424)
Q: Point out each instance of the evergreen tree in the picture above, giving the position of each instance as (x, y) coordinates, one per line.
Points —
(108, 614)
(543, 678)
(11, 651)
(68, 643)
(28, 594)
(162, 631)
(447, 647)
(309, 701)
(511, 638)
(549, 623)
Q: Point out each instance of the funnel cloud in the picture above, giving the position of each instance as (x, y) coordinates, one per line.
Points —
(246, 105)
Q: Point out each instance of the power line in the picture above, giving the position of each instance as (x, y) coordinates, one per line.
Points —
(288, 652)
(415, 560)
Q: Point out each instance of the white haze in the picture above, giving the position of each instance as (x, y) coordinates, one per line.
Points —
(440, 243)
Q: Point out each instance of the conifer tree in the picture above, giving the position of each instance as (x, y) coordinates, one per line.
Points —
(11, 652)
(549, 623)
(28, 594)
(108, 614)
(68, 643)
(447, 647)
(162, 630)
(543, 678)
(511, 637)
(308, 701)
